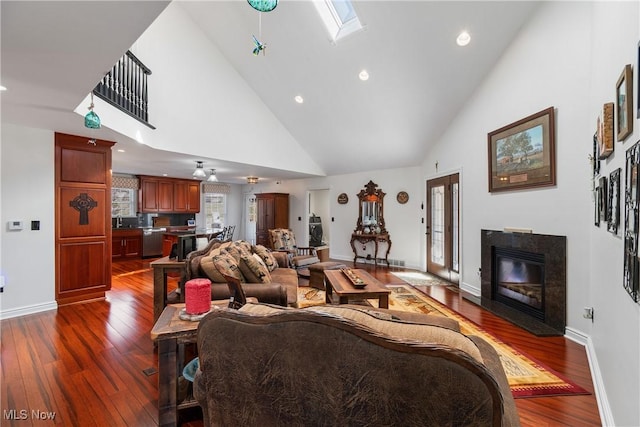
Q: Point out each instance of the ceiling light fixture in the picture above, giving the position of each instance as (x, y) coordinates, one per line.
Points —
(299, 99)
(263, 5)
(252, 180)
(2, 88)
(199, 172)
(212, 176)
(91, 120)
(364, 75)
(463, 39)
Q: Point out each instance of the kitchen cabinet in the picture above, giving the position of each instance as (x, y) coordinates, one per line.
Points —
(167, 195)
(186, 196)
(272, 212)
(126, 243)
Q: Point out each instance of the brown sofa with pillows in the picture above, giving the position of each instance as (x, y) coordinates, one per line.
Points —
(264, 274)
(346, 365)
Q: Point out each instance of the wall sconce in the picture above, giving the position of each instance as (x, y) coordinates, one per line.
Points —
(252, 180)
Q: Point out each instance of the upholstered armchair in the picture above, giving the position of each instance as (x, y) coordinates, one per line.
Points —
(284, 240)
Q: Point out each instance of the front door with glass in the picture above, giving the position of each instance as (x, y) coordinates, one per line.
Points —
(443, 227)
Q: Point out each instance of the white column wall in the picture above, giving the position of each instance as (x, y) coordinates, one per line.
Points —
(27, 193)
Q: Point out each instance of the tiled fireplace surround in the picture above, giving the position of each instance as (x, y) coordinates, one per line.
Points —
(554, 249)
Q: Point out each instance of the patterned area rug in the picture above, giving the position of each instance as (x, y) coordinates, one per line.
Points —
(418, 278)
(527, 378)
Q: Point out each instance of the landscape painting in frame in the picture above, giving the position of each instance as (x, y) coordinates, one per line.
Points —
(522, 154)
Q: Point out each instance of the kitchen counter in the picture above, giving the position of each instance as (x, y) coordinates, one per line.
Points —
(185, 240)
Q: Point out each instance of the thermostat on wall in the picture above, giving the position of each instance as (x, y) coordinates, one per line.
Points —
(15, 225)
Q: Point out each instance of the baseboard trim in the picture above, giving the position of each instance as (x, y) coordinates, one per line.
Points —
(29, 309)
(606, 416)
(473, 290)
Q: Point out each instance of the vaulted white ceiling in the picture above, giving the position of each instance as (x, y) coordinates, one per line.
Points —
(53, 53)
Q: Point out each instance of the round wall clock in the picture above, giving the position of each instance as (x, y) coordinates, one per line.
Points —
(343, 198)
(402, 197)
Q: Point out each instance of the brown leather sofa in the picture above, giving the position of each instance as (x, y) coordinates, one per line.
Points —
(346, 365)
(283, 289)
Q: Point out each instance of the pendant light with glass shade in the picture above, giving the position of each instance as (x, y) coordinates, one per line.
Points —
(199, 172)
(212, 176)
(91, 120)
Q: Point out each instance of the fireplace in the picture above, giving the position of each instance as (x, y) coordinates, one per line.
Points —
(523, 279)
(518, 280)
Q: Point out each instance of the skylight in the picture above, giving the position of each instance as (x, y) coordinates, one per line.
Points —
(339, 17)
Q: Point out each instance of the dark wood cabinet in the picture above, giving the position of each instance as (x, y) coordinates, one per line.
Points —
(126, 243)
(83, 218)
(186, 196)
(166, 195)
(272, 212)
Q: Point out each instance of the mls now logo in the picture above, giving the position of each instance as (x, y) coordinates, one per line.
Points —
(23, 414)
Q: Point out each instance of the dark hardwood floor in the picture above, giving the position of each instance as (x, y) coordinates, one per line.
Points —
(85, 362)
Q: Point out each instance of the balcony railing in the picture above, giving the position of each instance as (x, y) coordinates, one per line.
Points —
(125, 87)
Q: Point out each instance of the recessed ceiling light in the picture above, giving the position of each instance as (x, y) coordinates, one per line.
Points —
(364, 75)
(299, 99)
(165, 174)
(463, 39)
(3, 88)
(120, 150)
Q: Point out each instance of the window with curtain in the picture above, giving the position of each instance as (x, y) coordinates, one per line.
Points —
(215, 210)
(123, 202)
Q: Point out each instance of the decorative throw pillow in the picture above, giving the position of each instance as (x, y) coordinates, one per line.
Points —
(210, 270)
(246, 246)
(236, 251)
(254, 270)
(282, 239)
(227, 266)
(266, 255)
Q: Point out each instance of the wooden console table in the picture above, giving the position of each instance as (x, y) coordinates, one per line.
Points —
(376, 238)
(161, 268)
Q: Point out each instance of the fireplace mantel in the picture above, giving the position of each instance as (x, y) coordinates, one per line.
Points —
(554, 249)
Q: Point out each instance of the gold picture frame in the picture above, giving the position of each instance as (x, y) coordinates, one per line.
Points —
(523, 154)
(624, 103)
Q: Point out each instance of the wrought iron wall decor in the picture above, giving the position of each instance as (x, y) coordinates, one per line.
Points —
(631, 211)
(613, 208)
(602, 199)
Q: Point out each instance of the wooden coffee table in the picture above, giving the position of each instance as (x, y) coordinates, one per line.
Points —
(339, 284)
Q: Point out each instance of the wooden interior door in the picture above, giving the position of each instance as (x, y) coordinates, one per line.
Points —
(443, 225)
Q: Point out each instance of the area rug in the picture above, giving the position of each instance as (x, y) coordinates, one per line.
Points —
(527, 378)
(423, 279)
(418, 278)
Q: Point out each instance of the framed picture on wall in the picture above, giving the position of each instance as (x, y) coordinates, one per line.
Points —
(613, 215)
(523, 154)
(604, 131)
(602, 198)
(631, 211)
(624, 103)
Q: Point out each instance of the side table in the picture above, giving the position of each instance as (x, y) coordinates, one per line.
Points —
(161, 268)
(171, 334)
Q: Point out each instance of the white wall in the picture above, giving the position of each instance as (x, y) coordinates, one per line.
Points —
(402, 221)
(571, 64)
(27, 192)
(616, 32)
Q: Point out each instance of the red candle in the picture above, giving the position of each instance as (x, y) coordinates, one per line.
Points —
(197, 296)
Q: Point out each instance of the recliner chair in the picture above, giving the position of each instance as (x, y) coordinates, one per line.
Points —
(283, 239)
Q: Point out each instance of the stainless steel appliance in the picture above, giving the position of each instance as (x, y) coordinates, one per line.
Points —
(152, 241)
